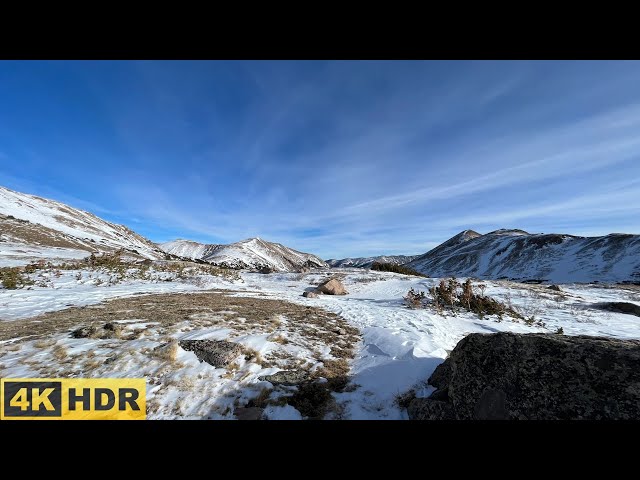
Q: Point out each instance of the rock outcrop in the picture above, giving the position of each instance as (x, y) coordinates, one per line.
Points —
(508, 376)
(620, 307)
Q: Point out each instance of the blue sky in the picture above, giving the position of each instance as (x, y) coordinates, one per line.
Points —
(340, 159)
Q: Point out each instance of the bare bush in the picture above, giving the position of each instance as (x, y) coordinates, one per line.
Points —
(452, 295)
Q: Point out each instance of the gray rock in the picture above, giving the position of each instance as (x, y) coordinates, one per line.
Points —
(339, 331)
(427, 409)
(332, 287)
(555, 288)
(286, 377)
(536, 376)
(84, 332)
(108, 330)
(248, 413)
(310, 295)
(113, 328)
(218, 353)
(441, 376)
(620, 307)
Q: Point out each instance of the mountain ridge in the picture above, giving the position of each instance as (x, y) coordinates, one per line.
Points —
(253, 252)
(34, 227)
(366, 262)
(518, 255)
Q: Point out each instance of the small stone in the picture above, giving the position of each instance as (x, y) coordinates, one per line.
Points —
(112, 329)
(84, 332)
(218, 353)
(310, 295)
(286, 377)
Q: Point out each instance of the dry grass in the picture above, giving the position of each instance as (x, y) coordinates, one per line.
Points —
(312, 399)
(232, 369)
(278, 339)
(60, 353)
(336, 372)
(44, 343)
(308, 327)
(183, 383)
(167, 351)
(251, 355)
(91, 365)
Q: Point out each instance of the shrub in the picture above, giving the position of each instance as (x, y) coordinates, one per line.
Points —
(12, 278)
(453, 296)
(391, 267)
(415, 299)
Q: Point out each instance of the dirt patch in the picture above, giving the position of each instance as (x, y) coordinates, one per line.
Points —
(161, 319)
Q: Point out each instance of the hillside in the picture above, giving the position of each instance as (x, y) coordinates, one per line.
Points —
(32, 227)
(518, 255)
(253, 253)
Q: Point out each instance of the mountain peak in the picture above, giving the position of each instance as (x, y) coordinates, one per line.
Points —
(508, 231)
(468, 234)
(248, 253)
(521, 256)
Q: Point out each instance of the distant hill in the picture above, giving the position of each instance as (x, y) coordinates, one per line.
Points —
(366, 262)
(518, 255)
(253, 253)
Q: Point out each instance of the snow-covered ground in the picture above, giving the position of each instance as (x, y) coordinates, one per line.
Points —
(14, 254)
(399, 350)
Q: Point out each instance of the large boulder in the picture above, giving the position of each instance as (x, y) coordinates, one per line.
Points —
(332, 287)
(505, 376)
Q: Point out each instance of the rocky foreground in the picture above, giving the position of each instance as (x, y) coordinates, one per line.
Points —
(508, 376)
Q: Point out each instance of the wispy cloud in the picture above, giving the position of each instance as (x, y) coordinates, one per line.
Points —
(351, 158)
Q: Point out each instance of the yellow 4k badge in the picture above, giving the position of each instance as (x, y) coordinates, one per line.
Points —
(73, 399)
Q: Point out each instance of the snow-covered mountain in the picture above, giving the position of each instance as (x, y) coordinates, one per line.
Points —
(518, 255)
(366, 262)
(34, 227)
(250, 253)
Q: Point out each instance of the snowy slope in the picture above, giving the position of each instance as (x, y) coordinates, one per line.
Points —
(366, 262)
(33, 226)
(518, 255)
(250, 253)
